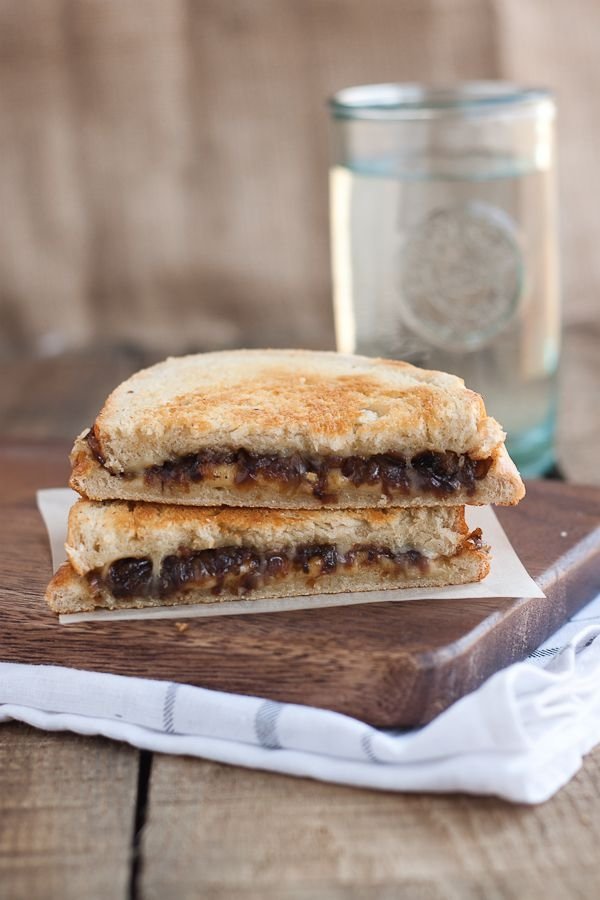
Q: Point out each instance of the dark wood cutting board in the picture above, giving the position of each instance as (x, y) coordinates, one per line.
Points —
(391, 664)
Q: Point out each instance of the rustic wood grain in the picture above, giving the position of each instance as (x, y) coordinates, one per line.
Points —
(67, 806)
(386, 663)
(59, 396)
(231, 834)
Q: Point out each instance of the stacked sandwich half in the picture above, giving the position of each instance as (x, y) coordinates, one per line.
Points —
(268, 474)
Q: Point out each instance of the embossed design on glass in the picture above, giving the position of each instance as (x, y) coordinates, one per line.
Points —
(460, 275)
(444, 244)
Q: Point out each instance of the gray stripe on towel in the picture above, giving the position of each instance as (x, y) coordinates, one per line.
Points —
(366, 743)
(265, 724)
(169, 708)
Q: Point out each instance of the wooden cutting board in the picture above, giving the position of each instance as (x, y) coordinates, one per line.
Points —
(390, 664)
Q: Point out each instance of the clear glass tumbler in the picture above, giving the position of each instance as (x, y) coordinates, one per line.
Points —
(444, 242)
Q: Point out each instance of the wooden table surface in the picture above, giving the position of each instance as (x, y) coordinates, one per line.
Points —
(86, 817)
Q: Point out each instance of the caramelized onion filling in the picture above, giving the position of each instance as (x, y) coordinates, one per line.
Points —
(440, 474)
(242, 569)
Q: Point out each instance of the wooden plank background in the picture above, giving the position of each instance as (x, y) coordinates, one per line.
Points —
(67, 809)
(70, 828)
(223, 833)
(163, 163)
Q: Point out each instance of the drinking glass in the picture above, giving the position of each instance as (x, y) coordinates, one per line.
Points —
(444, 242)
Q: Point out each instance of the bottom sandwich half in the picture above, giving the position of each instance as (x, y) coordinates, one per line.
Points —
(125, 554)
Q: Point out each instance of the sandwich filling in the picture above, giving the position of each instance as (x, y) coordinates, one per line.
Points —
(438, 473)
(240, 570)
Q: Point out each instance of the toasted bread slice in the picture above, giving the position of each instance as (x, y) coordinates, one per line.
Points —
(294, 429)
(136, 555)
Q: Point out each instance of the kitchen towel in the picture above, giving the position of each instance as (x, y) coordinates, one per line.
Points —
(520, 736)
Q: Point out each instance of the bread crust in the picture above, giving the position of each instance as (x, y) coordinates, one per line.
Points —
(285, 401)
(99, 533)
(69, 592)
(502, 485)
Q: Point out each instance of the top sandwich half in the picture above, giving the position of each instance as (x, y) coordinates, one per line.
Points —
(294, 429)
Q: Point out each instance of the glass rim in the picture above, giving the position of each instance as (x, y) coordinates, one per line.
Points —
(414, 100)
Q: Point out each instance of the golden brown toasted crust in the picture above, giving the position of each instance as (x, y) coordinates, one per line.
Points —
(285, 401)
(99, 533)
(69, 592)
(502, 485)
